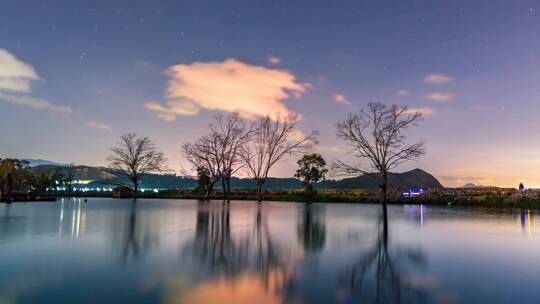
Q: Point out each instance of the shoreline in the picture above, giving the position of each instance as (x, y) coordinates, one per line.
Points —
(490, 201)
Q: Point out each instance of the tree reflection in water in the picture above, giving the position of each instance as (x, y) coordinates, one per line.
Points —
(255, 253)
(312, 227)
(136, 238)
(383, 274)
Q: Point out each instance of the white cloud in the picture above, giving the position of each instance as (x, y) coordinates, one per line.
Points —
(441, 96)
(33, 102)
(15, 84)
(426, 111)
(231, 86)
(342, 99)
(15, 75)
(273, 59)
(15, 79)
(402, 93)
(98, 126)
(438, 78)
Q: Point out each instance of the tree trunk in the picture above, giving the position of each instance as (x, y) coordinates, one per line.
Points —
(259, 185)
(208, 190)
(135, 187)
(383, 185)
(9, 190)
(206, 194)
(228, 186)
(224, 188)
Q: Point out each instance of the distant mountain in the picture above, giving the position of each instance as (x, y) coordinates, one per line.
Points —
(41, 162)
(471, 185)
(416, 178)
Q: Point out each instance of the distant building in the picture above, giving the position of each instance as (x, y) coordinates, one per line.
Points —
(479, 191)
(122, 192)
(412, 192)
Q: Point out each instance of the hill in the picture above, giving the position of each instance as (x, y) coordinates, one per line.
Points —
(416, 178)
(471, 185)
(100, 176)
(41, 162)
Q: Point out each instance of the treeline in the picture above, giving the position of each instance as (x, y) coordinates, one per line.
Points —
(233, 145)
(19, 182)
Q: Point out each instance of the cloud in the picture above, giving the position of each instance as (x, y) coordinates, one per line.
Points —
(402, 93)
(98, 126)
(342, 99)
(438, 78)
(441, 96)
(230, 86)
(175, 108)
(296, 135)
(15, 75)
(15, 79)
(273, 59)
(426, 111)
(33, 102)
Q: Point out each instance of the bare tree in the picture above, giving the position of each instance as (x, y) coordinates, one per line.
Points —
(135, 156)
(204, 154)
(376, 137)
(218, 152)
(272, 141)
(231, 133)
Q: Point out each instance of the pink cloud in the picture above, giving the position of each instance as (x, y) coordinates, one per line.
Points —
(402, 93)
(230, 86)
(98, 126)
(438, 78)
(426, 111)
(342, 99)
(441, 96)
(273, 59)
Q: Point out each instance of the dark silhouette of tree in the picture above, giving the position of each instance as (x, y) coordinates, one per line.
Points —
(376, 137)
(204, 184)
(231, 133)
(45, 178)
(272, 141)
(135, 156)
(218, 152)
(15, 176)
(204, 156)
(312, 168)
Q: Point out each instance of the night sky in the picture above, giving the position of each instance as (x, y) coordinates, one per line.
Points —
(75, 75)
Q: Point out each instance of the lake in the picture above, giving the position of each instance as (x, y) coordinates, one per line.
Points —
(183, 251)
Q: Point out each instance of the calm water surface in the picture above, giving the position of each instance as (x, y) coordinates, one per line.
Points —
(181, 251)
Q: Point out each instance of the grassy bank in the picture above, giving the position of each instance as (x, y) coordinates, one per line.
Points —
(437, 198)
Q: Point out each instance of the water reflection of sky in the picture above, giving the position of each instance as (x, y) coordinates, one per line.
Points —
(188, 252)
